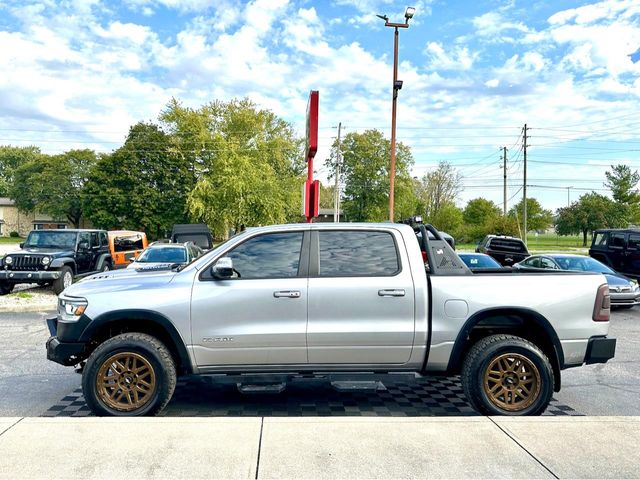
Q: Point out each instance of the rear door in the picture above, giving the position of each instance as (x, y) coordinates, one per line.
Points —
(632, 254)
(361, 298)
(617, 246)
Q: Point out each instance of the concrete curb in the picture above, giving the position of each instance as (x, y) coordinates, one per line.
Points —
(38, 307)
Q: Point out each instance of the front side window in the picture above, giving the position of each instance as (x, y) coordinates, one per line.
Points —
(358, 254)
(276, 255)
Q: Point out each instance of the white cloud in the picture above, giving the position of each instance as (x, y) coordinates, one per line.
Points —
(457, 58)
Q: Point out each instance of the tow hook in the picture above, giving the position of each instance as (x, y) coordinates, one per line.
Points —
(80, 367)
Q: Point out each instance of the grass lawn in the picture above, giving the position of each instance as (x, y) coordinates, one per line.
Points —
(11, 239)
(547, 242)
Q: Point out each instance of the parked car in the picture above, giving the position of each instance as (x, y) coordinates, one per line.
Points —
(479, 261)
(624, 292)
(338, 298)
(619, 249)
(198, 233)
(126, 245)
(506, 250)
(164, 255)
(55, 257)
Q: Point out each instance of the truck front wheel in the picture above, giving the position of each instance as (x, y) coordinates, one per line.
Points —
(63, 281)
(131, 374)
(507, 375)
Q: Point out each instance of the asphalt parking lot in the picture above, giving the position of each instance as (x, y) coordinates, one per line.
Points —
(33, 386)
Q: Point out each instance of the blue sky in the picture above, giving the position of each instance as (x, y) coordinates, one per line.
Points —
(78, 73)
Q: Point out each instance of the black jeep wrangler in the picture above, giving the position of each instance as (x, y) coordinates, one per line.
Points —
(55, 257)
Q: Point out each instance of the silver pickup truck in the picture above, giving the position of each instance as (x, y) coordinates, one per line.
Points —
(312, 299)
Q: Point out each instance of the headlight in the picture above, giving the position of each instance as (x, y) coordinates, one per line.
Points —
(70, 309)
(8, 260)
(46, 260)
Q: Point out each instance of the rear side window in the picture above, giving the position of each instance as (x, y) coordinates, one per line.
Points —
(508, 245)
(125, 243)
(103, 239)
(275, 255)
(617, 240)
(634, 242)
(358, 254)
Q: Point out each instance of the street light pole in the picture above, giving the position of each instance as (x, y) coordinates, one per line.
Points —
(397, 85)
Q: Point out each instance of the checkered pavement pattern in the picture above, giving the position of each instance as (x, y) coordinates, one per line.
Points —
(204, 397)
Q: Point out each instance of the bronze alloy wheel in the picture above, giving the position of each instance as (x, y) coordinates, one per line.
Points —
(126, 381)
(512, 382)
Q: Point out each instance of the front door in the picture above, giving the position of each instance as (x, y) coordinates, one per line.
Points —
(361, 298)
(83, 255)
(259, 317)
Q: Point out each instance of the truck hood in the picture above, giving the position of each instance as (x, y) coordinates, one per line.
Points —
(52, 252)
(120, 281)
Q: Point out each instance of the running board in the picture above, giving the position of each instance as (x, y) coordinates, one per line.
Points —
(253, 389)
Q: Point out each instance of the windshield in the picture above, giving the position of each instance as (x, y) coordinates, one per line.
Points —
(479, 261)
(163, 255)
(51, 239)
(583, 264)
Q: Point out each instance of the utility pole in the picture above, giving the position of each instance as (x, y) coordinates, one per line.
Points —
(524, 187)
(504, 176)
(568, 197)
(336, 198)
(397, 85)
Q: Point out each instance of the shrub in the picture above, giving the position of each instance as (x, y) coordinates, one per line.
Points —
(14, 234)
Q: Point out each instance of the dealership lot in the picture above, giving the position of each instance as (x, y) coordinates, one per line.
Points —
(313, 431)
(33, 386)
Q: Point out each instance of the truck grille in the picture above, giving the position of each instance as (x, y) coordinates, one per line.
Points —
(24, 262)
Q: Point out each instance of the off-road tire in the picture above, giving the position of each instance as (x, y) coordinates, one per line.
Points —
(107, 266)
(479, 377)
(139, 345)
(58, 283)
(6, 288)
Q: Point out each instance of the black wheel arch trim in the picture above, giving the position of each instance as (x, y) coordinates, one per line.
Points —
(462, 340)
(104, 257)
(140, 314)
(58, 263)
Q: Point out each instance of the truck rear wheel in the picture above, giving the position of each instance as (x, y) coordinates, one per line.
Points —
(507, 375)
(131, 374)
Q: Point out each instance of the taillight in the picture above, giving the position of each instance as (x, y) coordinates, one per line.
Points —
(424, 257)
(602, 307)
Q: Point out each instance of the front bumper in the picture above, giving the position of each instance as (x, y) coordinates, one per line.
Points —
(624, 298)
(64, 353)
(19, 276)
(600, 350)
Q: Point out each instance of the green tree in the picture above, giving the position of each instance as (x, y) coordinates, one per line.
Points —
(623, 184)
(538, 218)
(246, 163)
(448, 218)
(365, 173)
(437, 189)
(480, 211)
(52, 184)
(590, 212)
(10, 159)
(143, 185)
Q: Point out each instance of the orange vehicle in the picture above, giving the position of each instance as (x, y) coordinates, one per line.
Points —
(126, 245)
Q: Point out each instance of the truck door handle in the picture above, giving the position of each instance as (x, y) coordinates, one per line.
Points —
(287, 294)
(392, 292)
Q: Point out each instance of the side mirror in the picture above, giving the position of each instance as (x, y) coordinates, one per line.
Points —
(21, 245)
(223, 268)
(83, 246)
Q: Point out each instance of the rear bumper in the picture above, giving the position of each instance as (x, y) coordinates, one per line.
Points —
(600, 350)
(19, 276)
